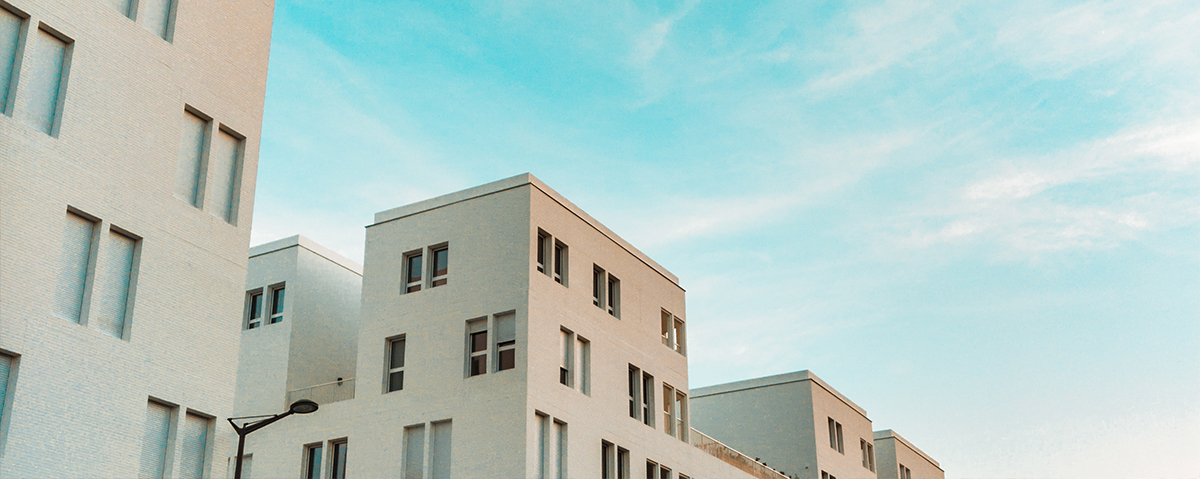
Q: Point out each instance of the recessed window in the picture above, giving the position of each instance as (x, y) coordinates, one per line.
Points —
(664, 472)
(635, 395)
(254, 309)
(680, 336)
(668, 409)
(598, 278)
(337, 463)
(543, 251)
(835, 435)
(7, 364)
(11, 25)
(905, 473)
(412, 272)
(441, 262)
(190, 170)
(477, 342)
(681, 411)
(647, 399)
(158, 16)
(567, 353)
(622, 463)
(277, 298)
(614, 296)
(75, 260)
(115, 280)
(506, 341)
(607, 460)
(560, 262)
(585, 365)
(312, 460)
(47, 64)
(194, 447)
(868, 454)
(395, 375)
(826, 475)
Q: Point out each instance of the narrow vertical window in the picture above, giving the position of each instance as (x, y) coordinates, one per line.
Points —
(651, 470)
(622, 463)
(414, 452)
(412, 272)
(614, 296)
(395, 375)
(6, 367)
(871, 455)
(668, 404)
(648, 399)
(566, 349)
(441, 262)
(224, 165)
(666, 328)
(477, 342)
(10, 35)
(123, 7)
(585, 366)
(635, 382)
(832, 434)
(190, 170)
(158, 16)
(439, 454)
(337, 463)
(839, 439)
(74, 260)
(47, 80)
(543, 242)
(543, 445)
(862, 445)
(154, 440)
(506, 341)
(681, 424)
(598, 286)
(680, 336)
(277, 303)
(113, 284)
(560, 449)
(254, 309)
(664, 472)
(560, 263)
(194, 437)
(607, 460)
(312, 461)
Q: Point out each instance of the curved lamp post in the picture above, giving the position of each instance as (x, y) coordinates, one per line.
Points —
(303, 406)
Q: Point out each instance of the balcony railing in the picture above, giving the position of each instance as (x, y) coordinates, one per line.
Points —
(322, 394)
(736, 459)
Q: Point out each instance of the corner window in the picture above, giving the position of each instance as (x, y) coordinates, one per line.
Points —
(441, 258)
(412, 272)
(277, 297)
(254, 309)
(395, 374)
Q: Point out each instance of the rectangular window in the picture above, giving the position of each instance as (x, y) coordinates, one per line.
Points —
(254, 309)
(190, 172)
(6, 368)
(194, 451)
(395, 374)
(598, 277)
(566, 349)
(224, 165)
(441, 265)
(635, 395)
(75, 258)
(48, 65)
(158, 16)
(439, 450)
(668, 411)
(622, 463)
(312, 461)
(680, 336)
(664, 472)
(648, 399)
(560, 263)
(10, 34)
(614, 296)
(113, 284)
(681, 424)
(835, 435)
(905, 473)
(871, 456)
(477, 342)
(337, 462)
(666, 328)
(412, 272)
(560, 449)
(585, 366)
(277, 298)
(543, 445)
(543, 245)
(154, 439)
(506, 341)
(414, 452)
(607, 460)
(862, 445)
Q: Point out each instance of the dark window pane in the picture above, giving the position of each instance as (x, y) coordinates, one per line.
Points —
(562, 375)
(339, 461)
(252, 325)
(541, 251)
(256, 306)
(412, 289)
(508, 359)
(397, 360)
(414, 268)
(276, 319)
(478, 365)
(651, 469)
(440, 258)
(440, 282)
(314, 463)
(277, 301)
(396, 381)
(478, 341)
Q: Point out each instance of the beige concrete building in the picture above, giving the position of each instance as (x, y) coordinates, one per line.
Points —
(793, 422)
(129, 133)
(899, 459)
(503, 333)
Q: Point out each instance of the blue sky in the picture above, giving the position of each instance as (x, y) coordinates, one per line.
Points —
(978, 220)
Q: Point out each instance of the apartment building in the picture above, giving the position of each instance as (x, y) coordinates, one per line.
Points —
(129, 133)
(794, 422)
(504, 332)
(899, 459)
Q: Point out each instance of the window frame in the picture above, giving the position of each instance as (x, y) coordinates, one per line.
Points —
(544, 252)
(562, 261)
(668, 409)
(274, 317)
(313, 451)
(333, 457)
(435, 279)
(566, 367)
(584, 364)
(648, 400)
(635, 394)
(389, 358)
(407, 284)
(249, 321)
(682, 425)
(471, 353)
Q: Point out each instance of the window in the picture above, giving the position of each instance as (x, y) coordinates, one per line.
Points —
(905, 473)
(681, 424)
(826, 475)
(224, 164)
(682, 476)
(668, 412)
(560, 449)
(123, 7)
(664, 472)
(477, 342)
(651, 470)
(614, 296)
(868, 454)
(312, 461)
(114, 282)
(337, 460)
(622, 463)
(395, 370)
(506, 341)
(648, 399)
(441, 258)
(543, 445)
(414, 451)
(543, 245)
(680, 337)
(46, 88)
(277, 297)
(666, 328)
(598, 286)
(835, 435)
(154, 439)
(190, 172)
(565, 376)
(194, 450)
(254, 309)
(439, 450)
(607, 460)
(560, 262)
(635, 395)
(158, 16)
(75, 261)
(412, 272)
(11, 24)
(7, 364)
(585, 366)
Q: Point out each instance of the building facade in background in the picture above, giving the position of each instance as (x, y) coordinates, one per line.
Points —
(899, 459)
(129, 135)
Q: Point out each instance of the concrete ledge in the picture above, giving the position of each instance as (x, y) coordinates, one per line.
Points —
(312, 246)
(890, 434)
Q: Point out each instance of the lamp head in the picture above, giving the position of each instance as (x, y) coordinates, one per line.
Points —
(303, 406)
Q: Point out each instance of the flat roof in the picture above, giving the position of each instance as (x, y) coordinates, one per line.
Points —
(890, 434)
(517, 182)
(768, 381)
(310, 245)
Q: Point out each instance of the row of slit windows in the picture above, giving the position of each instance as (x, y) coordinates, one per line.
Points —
(175, 448)
(614, 464)
(208, 173)
(97, 274)
(34, 69)
(642, 401)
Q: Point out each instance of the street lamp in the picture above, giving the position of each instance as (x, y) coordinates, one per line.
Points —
(303, 406)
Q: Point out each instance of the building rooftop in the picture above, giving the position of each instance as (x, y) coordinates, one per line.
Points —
(775, 380)
(888, 433)
(307, 244)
